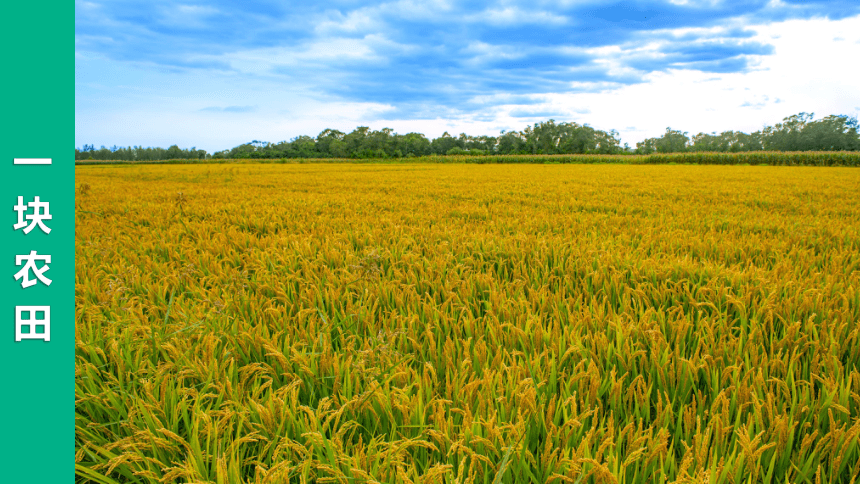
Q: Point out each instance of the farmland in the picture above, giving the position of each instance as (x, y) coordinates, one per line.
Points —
(467, 323)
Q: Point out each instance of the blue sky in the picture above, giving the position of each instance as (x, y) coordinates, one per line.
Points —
(217, 74)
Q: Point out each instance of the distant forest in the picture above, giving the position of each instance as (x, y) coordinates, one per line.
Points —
(795, 133)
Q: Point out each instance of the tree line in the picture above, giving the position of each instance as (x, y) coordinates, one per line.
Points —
(795, 133)
(139, 153)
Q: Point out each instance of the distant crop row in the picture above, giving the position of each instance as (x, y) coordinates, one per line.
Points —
(467, 324)
(775, 158)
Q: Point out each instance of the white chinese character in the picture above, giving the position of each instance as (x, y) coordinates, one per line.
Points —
(31, 265)
(35, 218)
(33, 323)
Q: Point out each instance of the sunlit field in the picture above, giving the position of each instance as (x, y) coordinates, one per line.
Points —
(442, 323)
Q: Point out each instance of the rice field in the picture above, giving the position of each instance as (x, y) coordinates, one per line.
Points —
(452, 323)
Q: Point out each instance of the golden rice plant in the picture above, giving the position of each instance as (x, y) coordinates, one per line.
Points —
(457, 323)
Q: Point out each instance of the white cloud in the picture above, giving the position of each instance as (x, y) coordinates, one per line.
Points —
(516, 16)
(357, 21)
(807, 72)
(196, 10)
(186, 16)
(370, 48)
(421, 10)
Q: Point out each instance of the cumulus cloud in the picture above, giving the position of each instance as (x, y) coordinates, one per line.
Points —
(409, 52)
(229, 109)
(433, 59)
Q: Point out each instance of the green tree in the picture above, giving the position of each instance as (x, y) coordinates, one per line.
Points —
(672, 141)
(442, 144)
(413, 144)
(786, 136)
(325, 140)
(511, 142)
(830, 134)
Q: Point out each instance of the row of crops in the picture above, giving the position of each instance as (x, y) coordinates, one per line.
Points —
(433, 323)
(776, 158)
